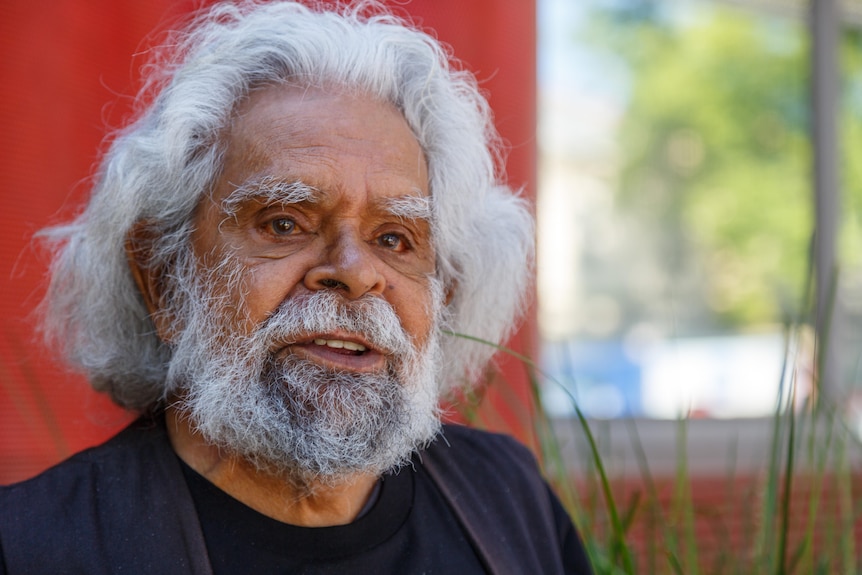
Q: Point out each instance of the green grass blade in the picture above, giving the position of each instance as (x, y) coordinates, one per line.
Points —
(674, 563)
(656, 520)
(683, 507)
(788, 483)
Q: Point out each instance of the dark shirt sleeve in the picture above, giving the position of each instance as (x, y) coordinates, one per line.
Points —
(575, 560)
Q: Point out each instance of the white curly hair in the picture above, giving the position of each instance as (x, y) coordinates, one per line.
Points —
(158, 168)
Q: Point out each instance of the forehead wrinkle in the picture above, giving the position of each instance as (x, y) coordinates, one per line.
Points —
(269, 190)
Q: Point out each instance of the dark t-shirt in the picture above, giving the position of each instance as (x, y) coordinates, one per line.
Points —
(409, 529)
(125, 507)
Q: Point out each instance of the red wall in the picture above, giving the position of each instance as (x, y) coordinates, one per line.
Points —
(67, 69)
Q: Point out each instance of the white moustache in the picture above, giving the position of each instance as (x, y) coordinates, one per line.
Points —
(371, 319)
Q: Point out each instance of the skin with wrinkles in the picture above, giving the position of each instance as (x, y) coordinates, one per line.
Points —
(360, 158)
(359, 154)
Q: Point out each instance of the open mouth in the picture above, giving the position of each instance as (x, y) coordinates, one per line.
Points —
(338, 351)
(342, 346)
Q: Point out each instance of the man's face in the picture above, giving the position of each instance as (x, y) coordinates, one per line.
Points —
(309, 342)
(356, 161)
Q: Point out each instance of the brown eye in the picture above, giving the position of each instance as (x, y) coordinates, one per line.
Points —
(282, 226)
(391, 241)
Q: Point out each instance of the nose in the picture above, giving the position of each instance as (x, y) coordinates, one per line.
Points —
(349, 265)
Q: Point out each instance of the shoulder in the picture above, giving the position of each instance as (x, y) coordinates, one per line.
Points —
(482, 449)
(477, 437)
(93, 480)
(495, 488)
(487, 468)
(114, 458)
(92, 506)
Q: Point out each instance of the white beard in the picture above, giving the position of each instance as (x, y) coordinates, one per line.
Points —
(289, 416)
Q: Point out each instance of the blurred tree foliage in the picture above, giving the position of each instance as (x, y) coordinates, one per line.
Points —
(715, 150)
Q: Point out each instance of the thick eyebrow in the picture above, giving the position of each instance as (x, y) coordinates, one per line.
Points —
(269, 190)
(410, 207)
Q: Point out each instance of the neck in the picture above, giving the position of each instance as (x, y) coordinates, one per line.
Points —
(315, 505)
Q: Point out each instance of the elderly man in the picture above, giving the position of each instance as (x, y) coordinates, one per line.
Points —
(272, 253)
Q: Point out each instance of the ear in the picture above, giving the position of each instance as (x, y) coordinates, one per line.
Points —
(149, 279)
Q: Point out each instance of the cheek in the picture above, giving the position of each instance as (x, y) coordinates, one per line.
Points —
(265, 286)
(413, 304)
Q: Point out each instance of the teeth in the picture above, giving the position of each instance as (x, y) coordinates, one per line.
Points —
(340, 344)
